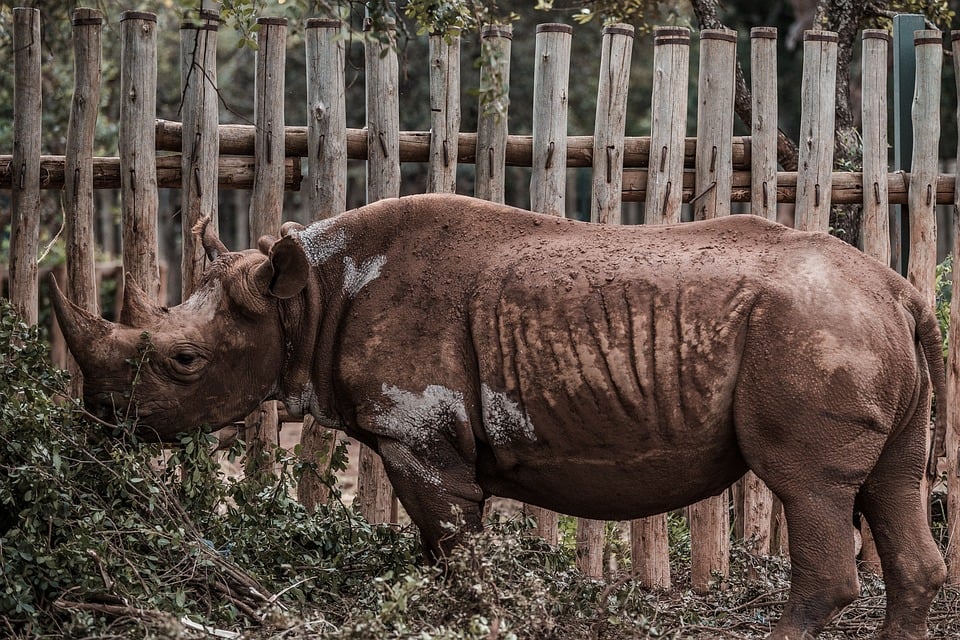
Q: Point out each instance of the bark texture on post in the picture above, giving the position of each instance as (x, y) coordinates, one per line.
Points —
(444, 112)
(817, 114)
(668, 115)
(374, 492)
(78, 209)
(201, 119)
(922, 269)
(492, 125)
(262, 427)
(138, 162)
(876, 216)
(326, 197)
(714, 169)
(610, 123)
(650, 551)
(763, 127)
(953, 373)
(25, 169)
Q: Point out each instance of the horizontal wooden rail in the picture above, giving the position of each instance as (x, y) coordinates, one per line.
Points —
(236, 172)
(847, 187)
(415, 146)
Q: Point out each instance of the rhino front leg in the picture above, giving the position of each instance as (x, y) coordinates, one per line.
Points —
(437, 488)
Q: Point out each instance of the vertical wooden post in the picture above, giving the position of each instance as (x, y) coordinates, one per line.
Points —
(610, 123)
(548, 183)
(25, 171)
(649, 538)
(714, 162)
(668, 130)
(876, 218)
(763, 131)
(262, 427)
(953, 373)
(921, 195)
(444, 112)
(326, 196)
(138, 162)
(550, 82)
(78, 209)
(326, 119)
(494, 109)
(817, 115)
(608, 140)
(755, 502)
(374, 491)
(200, 140)
(710, 519)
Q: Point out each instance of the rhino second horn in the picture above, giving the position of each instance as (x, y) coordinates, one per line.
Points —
(81, 329)
(138, 309)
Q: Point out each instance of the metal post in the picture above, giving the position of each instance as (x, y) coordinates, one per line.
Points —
(904, 79)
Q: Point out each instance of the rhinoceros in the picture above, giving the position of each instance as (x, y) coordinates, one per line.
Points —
(599, 371)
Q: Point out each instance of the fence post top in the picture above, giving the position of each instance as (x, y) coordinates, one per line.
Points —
(83, 16)
(928, 36)
(764, 32)
(554, 27)
(816, 35)
(671, 35)
(324, 23)
(279, 22)
(619, 29)
(146, 16)
(879, 34)
(497, 31)
(727, 35)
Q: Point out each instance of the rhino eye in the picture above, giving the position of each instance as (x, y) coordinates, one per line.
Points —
(186, 362)
(186, 359)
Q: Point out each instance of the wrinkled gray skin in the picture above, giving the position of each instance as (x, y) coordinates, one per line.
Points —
(603, 372)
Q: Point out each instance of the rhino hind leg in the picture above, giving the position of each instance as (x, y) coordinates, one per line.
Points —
(439, 493)
(891, 500)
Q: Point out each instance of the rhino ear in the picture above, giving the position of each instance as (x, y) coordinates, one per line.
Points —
(285, 273)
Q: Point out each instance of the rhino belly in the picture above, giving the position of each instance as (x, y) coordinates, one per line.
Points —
(611, 400)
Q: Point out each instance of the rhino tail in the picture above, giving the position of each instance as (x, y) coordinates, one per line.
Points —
(930, 341)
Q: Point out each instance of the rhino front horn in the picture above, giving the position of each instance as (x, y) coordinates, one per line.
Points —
(81, 329)
(138, 309)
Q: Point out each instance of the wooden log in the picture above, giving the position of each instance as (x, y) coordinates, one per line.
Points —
(668, 115)
(876, 215)
(550, 95)
(326, 197)
(262, 426)
(763, 127)
(444, 112)
(25, 219)
(327, 112)
(138, 164)
(238, 139)
(492, 127)
(610, 123)
(953, 374)
(374, 492)
(78, 203)
(922, 267)
(649, 549)
(236, 172)
(548, 181)
(201, 118)
(817, 115)
(718, 57)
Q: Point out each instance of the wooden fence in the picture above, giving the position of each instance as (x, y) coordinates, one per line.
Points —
(666, 171)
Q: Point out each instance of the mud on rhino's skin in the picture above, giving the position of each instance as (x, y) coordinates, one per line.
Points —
(606, 372)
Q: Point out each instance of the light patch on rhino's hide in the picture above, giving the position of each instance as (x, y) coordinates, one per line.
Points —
(503, 419)
(417, 420)
(318, 244)
(356, 278)
(203, 304)
(835, 355)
